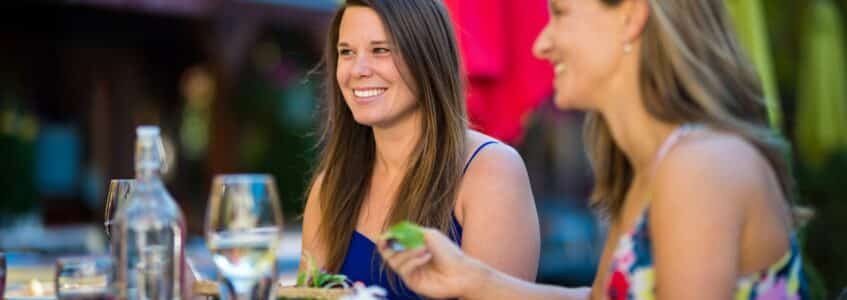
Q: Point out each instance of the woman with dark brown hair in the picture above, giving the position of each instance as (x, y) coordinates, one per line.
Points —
(397, 147)
(693, 182)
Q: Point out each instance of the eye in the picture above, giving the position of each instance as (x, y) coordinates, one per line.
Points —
(381, 50)
(345, 52)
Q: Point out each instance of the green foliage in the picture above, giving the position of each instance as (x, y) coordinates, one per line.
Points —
(749, 20)
(821, 126)
(279, 144)
(317, 278)
(826, 234)
(17, 154)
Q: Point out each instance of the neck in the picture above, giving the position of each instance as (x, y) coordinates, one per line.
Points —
(637, 133)
(395, 143)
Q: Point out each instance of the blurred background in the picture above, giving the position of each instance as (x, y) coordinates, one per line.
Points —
(235, 86)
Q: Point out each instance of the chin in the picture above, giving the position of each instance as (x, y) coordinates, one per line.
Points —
(364, 121)
(568, 102)
(564, 103)
(370, 120)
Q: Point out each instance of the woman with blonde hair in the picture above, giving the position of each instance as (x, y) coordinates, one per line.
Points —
(693, 182)
(397, 147)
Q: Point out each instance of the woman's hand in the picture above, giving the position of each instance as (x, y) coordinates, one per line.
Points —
(437, 270)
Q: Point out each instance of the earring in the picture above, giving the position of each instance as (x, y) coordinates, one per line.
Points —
(627, 47)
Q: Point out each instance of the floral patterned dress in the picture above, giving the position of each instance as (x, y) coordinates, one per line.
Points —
(633, 274)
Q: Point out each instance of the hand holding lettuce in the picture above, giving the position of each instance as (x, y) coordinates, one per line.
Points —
(404, 236)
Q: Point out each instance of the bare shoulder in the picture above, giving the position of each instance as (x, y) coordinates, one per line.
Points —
(496, 187)
(723, 168)
(494, 157)
(705, 193)
(496, 174)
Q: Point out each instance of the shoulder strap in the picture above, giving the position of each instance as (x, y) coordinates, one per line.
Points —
(468, 164)
(669, 142)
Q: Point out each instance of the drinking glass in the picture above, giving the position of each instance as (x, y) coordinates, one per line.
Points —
(84, 278)
(119, 192)
(2, 274)
(243, 228)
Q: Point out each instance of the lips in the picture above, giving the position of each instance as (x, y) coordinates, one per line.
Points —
(560, 68)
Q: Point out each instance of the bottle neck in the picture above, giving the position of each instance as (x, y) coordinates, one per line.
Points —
(149, 157)
(147, 175)
(148, 185)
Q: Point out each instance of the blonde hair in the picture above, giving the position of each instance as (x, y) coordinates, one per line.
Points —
(692, 70)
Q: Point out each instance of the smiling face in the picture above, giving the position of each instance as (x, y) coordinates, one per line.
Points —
(369, 71)
(584, 42)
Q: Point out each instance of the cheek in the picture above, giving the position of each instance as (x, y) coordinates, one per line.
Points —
(561, 101)
(340, 74)
(594, 60)
(405, 93)
(574, 88)
(400, 85)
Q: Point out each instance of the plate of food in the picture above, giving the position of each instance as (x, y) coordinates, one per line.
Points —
(32, 290)
(311, 284)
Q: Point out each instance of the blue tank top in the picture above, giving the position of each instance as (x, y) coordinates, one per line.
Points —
(363, 263)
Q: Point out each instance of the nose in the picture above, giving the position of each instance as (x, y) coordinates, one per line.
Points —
(543, 44)
(361, 67)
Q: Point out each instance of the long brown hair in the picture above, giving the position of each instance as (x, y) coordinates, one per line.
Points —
(692, 70)
(422, 35)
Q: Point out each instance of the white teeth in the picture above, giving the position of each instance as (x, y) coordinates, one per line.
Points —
(369, 92)
(560, 68)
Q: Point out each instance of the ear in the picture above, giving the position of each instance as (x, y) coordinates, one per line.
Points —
(636, 14)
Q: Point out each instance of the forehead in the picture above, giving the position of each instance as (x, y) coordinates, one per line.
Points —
(361, 24)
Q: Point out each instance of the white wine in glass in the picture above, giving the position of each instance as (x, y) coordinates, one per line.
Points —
(243, 229)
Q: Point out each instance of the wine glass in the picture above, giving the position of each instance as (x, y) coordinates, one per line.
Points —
(119, 192)
(243, 229)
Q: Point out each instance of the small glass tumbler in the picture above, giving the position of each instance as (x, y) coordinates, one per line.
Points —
(2, 274)
(85, 277)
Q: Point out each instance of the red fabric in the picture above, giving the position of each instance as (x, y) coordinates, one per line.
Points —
(618, 286)
(505, 81)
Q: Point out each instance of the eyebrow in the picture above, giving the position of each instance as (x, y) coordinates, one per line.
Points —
(377, 43)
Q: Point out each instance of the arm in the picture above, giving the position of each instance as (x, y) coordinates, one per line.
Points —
(311, 242)
(497, 210)
(497, 285)
(598, 287)
(441, 270)
(697, 217)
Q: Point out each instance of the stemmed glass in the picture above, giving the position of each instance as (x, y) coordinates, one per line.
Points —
(119, 191)
(243, 229)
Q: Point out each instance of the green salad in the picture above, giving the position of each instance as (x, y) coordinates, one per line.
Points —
(317, 278)
(404, 236)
